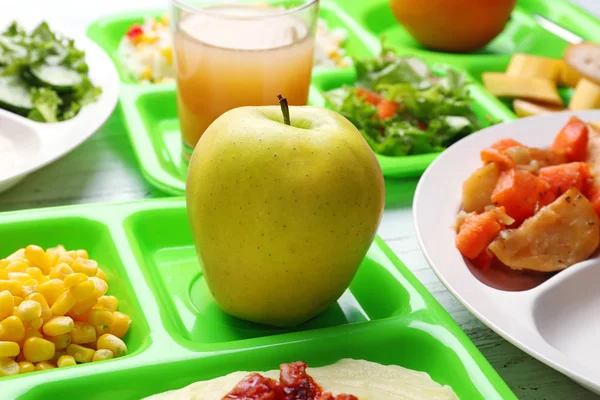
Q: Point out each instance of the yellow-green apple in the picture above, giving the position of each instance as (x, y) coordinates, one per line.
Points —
(282, 214)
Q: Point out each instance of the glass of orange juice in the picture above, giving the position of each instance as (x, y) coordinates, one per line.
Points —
(239, 53)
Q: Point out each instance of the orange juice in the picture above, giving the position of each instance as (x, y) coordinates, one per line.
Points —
(231, 56)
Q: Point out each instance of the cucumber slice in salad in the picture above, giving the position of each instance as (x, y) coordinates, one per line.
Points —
(56, 77)
(14, 96)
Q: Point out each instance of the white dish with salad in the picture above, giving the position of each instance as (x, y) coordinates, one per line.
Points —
(518, 246)
(56, 90)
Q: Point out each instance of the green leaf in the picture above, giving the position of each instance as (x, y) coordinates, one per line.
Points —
(46, 102)
(433, 113)
(20, 51)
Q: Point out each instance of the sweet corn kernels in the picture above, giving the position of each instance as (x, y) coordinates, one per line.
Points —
(28, 310)
(32, 332)
(60, 249)
(100, 286)
(7, 303)
(112, 343)
(17, 266)
(17, 255)
(21, 277)
(167, 53)
(146, 73)
(25, 367)
(54, 311)
(8, 367)
(60, 341)
(61, 271)
(14, 287)
(44, 365)
(66, 361)
(30, 286)
(119, 325)
(12, 329)
(102, 354)
(58, 354)
(107, 303)
(65, 259)
(63, 304)
(74, 279)
(101, 330)
(52, 259)
(52, 290)
(58, 326)
(37, 257)
(100, 317)
(84, 289)
(37, 323)
(85, 266)
(36, 274)
(102, 275)
(80, 309)
(9, 349)
(82, 253)
(80, 353)
(46, 312)
(83, 333)
(37, 349)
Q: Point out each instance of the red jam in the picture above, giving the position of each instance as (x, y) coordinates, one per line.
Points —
(294, 384)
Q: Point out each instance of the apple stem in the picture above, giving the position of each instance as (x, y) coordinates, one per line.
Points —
(285, 109)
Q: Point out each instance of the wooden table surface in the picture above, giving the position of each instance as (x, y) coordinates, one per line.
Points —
(104, 169)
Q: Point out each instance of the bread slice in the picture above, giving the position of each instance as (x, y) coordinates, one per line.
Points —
(585, 59)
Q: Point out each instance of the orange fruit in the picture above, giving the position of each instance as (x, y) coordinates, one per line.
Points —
(453, 25)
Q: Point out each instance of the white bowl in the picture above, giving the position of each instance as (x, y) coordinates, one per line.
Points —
(34, 144)
(557, 322)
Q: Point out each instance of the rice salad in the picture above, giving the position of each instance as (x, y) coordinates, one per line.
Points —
(146, 51)
(329, 50)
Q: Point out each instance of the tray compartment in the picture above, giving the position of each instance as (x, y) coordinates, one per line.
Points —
(108, 32)
(418, 345)
(522, 34)
(484, 105)
(150, 110)
(158, 111)
(192, 317)
(75, 232)
(397, 320)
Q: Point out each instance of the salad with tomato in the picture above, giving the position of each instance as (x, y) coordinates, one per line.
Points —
(403, 108)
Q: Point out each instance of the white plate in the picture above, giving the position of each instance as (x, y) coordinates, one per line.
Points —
(31, 145)
(557, 322)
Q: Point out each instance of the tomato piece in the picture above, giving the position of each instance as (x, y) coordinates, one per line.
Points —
(572, 140)
(369, 96)
(387, 109)
(135, 31)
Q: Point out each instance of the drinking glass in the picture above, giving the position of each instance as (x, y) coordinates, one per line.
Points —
(239, 53)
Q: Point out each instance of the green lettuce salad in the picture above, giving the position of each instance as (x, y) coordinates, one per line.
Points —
(43, 76)
(402, 108)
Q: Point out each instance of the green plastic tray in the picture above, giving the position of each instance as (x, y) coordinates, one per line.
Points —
(523, 34)
(179, 336)
(150, 112)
